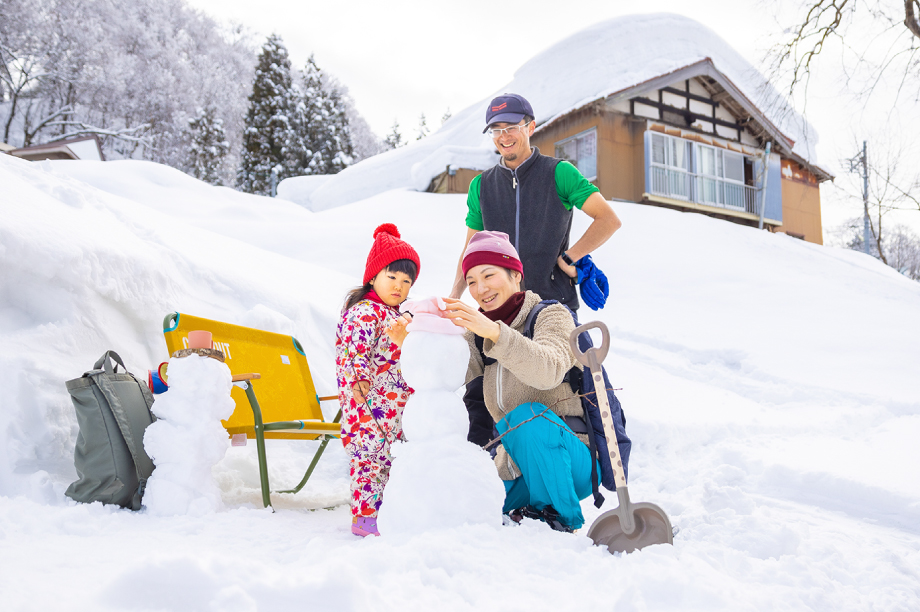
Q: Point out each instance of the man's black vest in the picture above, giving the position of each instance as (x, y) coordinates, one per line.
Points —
(524, 204)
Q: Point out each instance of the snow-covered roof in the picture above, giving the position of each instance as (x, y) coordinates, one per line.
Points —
(605, 59)
(85, 147)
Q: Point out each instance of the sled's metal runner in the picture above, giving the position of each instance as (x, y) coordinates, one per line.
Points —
(630, 526)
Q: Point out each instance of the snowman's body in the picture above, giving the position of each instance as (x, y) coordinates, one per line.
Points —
(439, 479)
(188, 439)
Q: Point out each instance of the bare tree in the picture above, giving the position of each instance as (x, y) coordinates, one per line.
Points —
(878, 37)
(902, 248)
(893, 185)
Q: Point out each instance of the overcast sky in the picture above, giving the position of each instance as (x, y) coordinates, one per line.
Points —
(400, 58)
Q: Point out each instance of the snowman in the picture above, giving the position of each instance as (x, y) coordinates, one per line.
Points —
(188, 439)
(439, 479)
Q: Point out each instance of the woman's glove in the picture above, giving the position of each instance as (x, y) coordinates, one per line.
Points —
(593, 283)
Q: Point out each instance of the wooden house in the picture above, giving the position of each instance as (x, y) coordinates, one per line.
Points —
(688, 140)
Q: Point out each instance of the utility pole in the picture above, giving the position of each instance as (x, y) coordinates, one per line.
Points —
(862, 159)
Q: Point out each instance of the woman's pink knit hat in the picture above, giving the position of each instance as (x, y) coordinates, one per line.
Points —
(491, 248)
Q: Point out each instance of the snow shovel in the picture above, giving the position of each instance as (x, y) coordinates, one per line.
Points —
(630, 526)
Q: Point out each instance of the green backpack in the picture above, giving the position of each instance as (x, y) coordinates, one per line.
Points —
(113, 410)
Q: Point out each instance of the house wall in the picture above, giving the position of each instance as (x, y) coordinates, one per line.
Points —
(458, 183)
(801, 210)
(620, 149)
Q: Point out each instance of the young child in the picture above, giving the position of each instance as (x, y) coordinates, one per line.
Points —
(372, 390)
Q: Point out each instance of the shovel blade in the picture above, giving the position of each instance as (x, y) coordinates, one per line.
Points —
(652, 527)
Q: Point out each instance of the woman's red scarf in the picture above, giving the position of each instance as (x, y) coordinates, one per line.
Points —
(508, 311)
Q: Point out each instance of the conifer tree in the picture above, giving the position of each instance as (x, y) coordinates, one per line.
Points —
(270, 140)
(422, 127)
(446, 116)
(324, 139)
(340, 152)
(207, 146)
(394, 139)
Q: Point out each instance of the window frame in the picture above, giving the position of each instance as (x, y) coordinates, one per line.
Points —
(575, 137)
(715, 185)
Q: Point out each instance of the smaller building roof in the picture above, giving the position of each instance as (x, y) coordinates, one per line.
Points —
(79, 147)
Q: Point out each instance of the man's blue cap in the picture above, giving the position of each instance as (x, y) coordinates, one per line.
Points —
(507, 108)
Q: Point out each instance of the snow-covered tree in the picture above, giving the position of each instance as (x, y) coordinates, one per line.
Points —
(338, 150)
(422, 130)
(324, 137)
(270, 139)
(364, 142)
(363, 139)
(394, 139)
(128, 72)
(445, 116)
(900, 249)
(207, 146)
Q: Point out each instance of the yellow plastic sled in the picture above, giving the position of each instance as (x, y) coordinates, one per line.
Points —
(288, 405)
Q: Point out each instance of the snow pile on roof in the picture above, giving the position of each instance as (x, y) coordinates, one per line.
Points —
(594, 63)
(779, 435)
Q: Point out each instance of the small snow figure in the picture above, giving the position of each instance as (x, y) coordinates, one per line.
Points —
(188, 439)
(372, 391)
(440, 480)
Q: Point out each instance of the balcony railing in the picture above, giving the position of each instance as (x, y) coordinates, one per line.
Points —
(711, 191)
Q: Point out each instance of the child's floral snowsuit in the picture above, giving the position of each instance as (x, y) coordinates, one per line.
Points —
(363, 351)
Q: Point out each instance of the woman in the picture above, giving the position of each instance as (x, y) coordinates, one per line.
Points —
(545, 466)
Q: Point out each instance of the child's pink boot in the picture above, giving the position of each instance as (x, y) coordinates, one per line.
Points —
(364, 526)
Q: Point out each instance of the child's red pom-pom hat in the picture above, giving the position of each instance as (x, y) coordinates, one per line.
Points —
(387, 249)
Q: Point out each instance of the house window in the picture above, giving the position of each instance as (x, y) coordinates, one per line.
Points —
(701, 173)
(721, 177)
(671, 166)
(581, 150)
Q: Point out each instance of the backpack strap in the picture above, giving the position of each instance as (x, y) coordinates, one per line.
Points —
(486, 361)
(532, 316)
(121, 418)
(575, 378)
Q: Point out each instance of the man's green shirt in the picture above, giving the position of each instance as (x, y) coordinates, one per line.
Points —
(571, 187)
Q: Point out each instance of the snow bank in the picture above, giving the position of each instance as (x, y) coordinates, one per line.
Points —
(592, 64)
(769, 386)
(299, 189)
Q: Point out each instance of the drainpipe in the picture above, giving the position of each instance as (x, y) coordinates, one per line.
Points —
(763, 186)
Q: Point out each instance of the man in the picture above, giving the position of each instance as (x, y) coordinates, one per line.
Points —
(530, 197)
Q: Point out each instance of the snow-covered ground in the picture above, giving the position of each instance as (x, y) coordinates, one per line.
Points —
(770, 387)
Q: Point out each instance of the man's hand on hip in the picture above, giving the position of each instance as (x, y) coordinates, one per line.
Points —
(572, 271)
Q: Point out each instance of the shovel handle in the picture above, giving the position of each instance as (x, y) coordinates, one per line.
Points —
(592, 358)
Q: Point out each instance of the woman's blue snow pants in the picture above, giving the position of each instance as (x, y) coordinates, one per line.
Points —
(555, 465)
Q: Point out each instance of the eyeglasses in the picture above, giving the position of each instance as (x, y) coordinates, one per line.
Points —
(512, 130)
